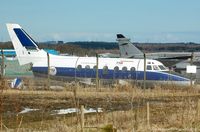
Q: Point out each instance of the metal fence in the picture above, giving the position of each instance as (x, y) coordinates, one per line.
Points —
(11, 69)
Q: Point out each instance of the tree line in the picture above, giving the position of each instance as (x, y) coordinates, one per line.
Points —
(91, 48)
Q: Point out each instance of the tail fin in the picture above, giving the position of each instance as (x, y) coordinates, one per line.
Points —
(127, 49)
(24, 45)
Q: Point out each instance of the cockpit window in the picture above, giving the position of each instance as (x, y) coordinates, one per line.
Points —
(155, 67)
(149, 67)
(161, 67)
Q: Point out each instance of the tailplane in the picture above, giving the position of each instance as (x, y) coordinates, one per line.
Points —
(127, 49)
(25, 47)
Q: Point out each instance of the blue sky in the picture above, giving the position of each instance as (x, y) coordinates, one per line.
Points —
(100, 20)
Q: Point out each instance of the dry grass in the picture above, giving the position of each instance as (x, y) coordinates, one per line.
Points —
(163, 117)
(171, 109)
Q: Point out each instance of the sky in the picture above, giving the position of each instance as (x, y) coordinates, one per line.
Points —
(150, 21)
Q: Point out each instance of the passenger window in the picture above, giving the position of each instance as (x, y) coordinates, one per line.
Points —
(149, 67)
(79, 67)
(105, 70)
(124, 69)
(116, 69)
(87, 67)
(155, 67)
(95, 68)
(132, 69)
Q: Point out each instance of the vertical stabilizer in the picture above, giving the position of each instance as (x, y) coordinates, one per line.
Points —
(127, 49)
(25, 47)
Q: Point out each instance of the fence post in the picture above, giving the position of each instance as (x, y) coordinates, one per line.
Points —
(144, 83)
(198, 108)
(1, 123)
(2, 64)
(136, 116)
(18, 129)
(191, 62)
(97, 71)
(48, 71)
(2, 85)
(82, 118)
(148, 116)
(2, 70)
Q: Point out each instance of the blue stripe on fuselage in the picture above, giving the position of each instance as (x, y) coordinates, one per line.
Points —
(111, 74)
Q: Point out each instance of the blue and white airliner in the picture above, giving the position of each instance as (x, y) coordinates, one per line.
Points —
(28, 51)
